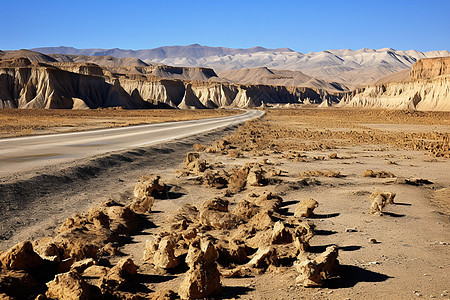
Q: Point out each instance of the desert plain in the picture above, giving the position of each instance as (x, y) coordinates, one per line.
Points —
(227, 204)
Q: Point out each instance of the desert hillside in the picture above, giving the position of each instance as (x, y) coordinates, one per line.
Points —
(427, 89)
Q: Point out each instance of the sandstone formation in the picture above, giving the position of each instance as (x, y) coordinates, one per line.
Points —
(430, 68)
(33, 80)
(427, 90)
(203, 278)
(314, 271)
(71, 286)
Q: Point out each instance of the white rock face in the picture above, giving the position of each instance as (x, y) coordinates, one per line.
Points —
(425, 95)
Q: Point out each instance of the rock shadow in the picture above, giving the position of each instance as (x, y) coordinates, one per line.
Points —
(230, 292)
(349, 276)
(325, 232)
(324, 216)
(393, 215)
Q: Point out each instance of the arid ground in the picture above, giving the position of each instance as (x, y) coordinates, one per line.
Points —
(19, 122)
(262, 170)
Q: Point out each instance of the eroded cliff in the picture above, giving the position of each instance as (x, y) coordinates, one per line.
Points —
(428, 90)
(24, 84)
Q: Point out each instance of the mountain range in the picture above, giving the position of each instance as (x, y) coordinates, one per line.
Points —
(354, 68)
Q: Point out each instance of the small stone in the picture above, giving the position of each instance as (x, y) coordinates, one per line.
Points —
(351, 230)
(373, 241)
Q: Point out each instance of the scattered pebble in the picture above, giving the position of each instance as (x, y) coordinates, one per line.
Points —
(351, 230)
(373, 241)
(373, 263)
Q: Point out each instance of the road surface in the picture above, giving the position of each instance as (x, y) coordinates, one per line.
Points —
(27, 153)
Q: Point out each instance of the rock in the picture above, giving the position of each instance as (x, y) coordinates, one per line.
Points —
(378, 174)
(280, 234)
(305, 208)
(255, 176)
(71, 286)
(314, 271)
(262, 220)
(17, 284)
(217, 179)
(21, 257)
(82, 265)
(186, 212)
(194, 165)
(214, 213)
(148, 185)
(233, 252)
(164, 256)
(142, 205)
(264, 257)
(218, 146)
(245, 210)
(268, 201)
(379, 200)
(203, 278)
(351, 230)
(95, 271)
(120, 276)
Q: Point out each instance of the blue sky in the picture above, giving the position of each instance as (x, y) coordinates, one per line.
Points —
(303, 26)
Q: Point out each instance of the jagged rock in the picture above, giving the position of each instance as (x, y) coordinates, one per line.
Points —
(255, 176)
(186, 212)
(214, 213)
(314, 271)
(17, 284)
(245, 210)
(268, 201)
(302, 234)
(263, 257)
(262, 220)
(148, 185)
(217, 179)
(305, 208)
(218, 146)
(378, 174)
(233, 252)
(194, 164)
(142, 205)
(203, 278)
(281, 234)
(120, 276)
(71, 286)
(164, 256)
(82, 265)
(378, 200)
(21, 257)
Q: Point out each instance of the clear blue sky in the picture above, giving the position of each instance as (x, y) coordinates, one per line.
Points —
(303, 26)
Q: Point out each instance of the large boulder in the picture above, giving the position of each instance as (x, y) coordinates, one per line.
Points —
(203, 278)
(314, 270)
(71, 286)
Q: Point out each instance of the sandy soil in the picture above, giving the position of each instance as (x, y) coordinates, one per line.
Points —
(403, 254)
